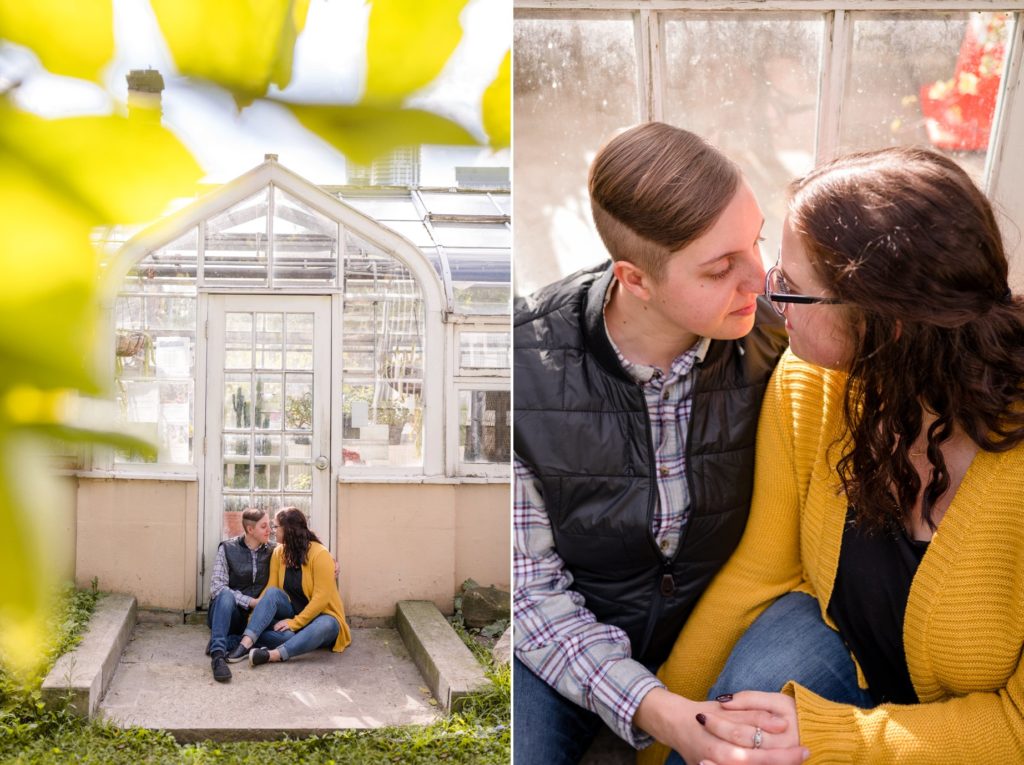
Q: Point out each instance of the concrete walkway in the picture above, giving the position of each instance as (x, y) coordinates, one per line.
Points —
(164, 681)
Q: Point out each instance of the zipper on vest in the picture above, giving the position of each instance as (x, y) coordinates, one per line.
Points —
(665, 586)
(652, 464)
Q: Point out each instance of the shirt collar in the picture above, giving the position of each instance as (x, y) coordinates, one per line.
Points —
(644, 373)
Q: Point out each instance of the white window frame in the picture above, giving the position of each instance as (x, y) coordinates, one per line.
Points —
(483, 379)
(1005, 161)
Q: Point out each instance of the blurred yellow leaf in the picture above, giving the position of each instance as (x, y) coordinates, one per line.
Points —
(71, 37)
(363, 133)
(28, 511)
(58, 180)
(497, 105)
(407, 45)
(243, 45)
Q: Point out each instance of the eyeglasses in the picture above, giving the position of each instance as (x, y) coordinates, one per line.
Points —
(776, 289)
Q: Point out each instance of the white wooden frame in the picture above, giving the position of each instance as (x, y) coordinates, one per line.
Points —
(324, 489)
(1005, 165)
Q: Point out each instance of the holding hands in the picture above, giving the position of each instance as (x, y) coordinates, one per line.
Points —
(741, 722)
(751, 727)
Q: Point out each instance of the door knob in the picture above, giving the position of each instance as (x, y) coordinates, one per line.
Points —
(321, 463)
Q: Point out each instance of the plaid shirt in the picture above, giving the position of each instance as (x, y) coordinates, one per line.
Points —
(219, 576)
(556, 636)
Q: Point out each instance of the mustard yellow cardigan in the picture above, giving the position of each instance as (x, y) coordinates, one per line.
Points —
(964, 625)
(319, 587)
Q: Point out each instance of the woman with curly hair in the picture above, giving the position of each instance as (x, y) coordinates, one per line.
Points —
(888, 511)
(300, 609)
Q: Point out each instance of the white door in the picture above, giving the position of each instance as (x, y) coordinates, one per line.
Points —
(267, 413)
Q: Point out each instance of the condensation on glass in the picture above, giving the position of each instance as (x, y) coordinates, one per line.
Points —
(484, 351)
(484, 426)
(575, 85)
(925, 79)
(382, 359)
(749, 84)
(155, 319)
(267, 423)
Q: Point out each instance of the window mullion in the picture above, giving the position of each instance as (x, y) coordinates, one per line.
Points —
(835, 66)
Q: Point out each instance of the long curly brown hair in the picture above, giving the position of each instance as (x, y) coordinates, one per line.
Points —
(909, 243)
(295, 535)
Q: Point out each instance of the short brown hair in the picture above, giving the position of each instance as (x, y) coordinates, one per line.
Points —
(251, 516)
(654, 189)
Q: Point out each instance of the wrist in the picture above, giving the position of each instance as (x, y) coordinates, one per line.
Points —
(660, 713)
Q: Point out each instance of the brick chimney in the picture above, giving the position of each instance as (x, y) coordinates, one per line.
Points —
(144, 89)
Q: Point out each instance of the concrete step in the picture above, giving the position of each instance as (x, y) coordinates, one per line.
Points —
(448, 666)
(85, 673)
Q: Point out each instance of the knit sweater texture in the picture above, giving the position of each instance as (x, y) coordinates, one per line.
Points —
(964, 626)
(319, 586)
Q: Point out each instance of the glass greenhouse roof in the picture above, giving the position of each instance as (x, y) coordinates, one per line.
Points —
(465, 235)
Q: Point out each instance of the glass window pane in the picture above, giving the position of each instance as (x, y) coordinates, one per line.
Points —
(382, 340)
(267, 402)
(413, 230)
(484, 427)
(237, 401)
(749, 84)
(482, 298)
(236, 244)
(169, 269)
(238, 341)
(384, 208)
(299, 341)
(473, 234)
(925, 78)
(269, 340)
(575, 85)
(458, 203)
(298, 403)
(305, 244)
(484, 350)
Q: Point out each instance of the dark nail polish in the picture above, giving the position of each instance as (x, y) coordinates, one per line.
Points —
(701, 718)
(723, 698)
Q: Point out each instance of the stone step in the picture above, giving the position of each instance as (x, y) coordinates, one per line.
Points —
(84, 674)
(449, 668)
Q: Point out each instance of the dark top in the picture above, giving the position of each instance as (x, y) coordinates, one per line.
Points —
(293, 588)
(868, 604)
(582, 427)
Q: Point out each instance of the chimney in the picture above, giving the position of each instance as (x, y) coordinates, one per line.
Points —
(144, 89)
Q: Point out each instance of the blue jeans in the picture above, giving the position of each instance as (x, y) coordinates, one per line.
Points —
(226, 620)
(790, 641)
(547, 728)
(275, 605)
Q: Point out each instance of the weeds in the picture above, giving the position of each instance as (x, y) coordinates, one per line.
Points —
(33, 734)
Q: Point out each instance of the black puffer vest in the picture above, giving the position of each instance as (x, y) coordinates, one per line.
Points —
(240, 574)
(582, 426)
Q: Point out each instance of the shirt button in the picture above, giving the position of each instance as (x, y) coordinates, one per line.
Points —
(666, 395)
(664, 545)
(663, 471)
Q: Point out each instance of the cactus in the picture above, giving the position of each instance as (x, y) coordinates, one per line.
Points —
(258, 401)
(238, 404)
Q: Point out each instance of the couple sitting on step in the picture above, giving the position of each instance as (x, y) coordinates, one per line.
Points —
(272, 602)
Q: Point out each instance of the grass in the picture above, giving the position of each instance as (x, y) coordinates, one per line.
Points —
(33, 733)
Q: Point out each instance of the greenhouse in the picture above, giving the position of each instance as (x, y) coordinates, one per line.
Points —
(344, 350)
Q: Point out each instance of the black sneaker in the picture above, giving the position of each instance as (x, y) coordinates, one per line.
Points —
(238, 653)
(258, 656)
(221, 671)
